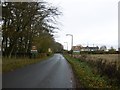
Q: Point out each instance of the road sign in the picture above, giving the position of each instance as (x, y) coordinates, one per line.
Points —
(34, 48)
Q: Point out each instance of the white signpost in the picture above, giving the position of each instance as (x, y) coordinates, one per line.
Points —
(34, 51)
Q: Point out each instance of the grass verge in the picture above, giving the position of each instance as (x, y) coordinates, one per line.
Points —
(13, 63)
(85, 76)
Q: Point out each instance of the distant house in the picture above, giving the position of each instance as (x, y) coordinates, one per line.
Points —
(103, 48)
(76, 48)
(87, 48)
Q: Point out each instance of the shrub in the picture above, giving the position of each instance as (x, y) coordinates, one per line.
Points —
(103, 67)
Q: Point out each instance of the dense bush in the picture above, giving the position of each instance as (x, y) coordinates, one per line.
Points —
(103, 67)
(99, 52)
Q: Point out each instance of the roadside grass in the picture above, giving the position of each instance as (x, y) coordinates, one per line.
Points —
(85, 76)
(10, 64)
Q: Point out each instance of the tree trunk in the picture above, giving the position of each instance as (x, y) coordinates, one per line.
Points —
(10, 54)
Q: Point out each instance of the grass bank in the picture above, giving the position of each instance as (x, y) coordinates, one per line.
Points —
(10, 64)
(85, 76)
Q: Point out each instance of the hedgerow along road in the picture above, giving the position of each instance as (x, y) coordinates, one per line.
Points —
(55, 72)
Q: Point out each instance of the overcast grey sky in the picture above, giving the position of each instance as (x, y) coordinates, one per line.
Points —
(90, 22)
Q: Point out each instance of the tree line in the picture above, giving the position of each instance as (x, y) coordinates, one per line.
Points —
(27, 24)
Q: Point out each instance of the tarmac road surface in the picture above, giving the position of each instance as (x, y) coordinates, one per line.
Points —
(55, 72)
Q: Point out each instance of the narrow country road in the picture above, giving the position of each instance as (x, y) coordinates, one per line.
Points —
(52, 73)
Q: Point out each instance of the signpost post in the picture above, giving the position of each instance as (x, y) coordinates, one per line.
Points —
(34, 52)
